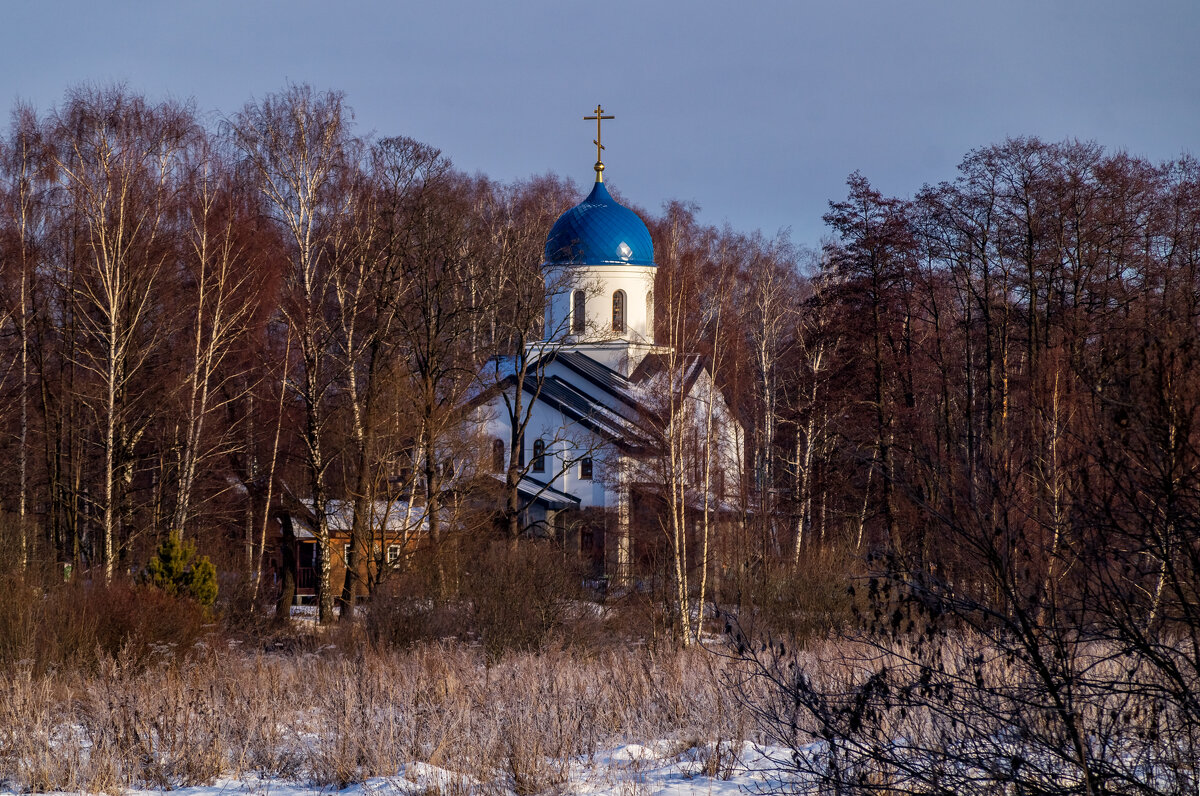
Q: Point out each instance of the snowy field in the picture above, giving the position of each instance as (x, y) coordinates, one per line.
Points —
(437, 720)
(659, 769)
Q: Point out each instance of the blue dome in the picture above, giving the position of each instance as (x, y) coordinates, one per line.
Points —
(598, 231)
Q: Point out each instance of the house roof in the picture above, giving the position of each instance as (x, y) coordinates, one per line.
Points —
(390, 517)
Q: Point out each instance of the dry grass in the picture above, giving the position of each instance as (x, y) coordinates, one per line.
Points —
(332, 718)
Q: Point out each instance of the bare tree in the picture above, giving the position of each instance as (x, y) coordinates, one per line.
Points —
(872, 256)
(221, 284)
(402, 180)
(119, 158)
(808, 409)
(430, 244)
(26, 192)
(695, 452)
(296, 141)
(514, 223)
(771, 292)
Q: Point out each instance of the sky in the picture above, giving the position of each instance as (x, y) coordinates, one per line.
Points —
(756, 112)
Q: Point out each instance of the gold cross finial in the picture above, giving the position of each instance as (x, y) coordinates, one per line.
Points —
(599, 147)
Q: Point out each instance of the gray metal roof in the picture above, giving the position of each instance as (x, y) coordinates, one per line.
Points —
(534, 490)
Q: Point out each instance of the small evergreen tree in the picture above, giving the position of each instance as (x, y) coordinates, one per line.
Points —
(176, 570)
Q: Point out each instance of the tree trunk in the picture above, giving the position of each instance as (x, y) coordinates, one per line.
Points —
(287, 572)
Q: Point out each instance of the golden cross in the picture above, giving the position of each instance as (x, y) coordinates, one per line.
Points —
(599, 147)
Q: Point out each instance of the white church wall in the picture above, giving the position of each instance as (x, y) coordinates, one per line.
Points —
(727, 431)
(566, 442)
(723, 441)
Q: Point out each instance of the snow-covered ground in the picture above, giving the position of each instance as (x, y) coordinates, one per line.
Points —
(658, 769)
(434, 719)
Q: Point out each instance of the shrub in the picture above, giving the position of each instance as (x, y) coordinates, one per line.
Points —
(74, 625)
(521, 596)
(507, 597)
(808, 600)
(407, 607)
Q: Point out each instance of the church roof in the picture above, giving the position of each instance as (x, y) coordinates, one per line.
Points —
(535, 490)
(599, 231)
(635, 392)
(586, 410)
(578, 396)
(598, 374)
(654, 364)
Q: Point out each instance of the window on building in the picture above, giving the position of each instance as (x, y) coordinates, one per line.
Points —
(539, 456)
(650, 312)
(393, 554)
(585, 469)
(578, 318)
(497, 455)
(619, 311)
(346, 554)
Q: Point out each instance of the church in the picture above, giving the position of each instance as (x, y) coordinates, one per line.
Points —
(608, 428)
(597, 435)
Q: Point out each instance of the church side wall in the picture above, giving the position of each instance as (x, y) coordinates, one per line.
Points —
(566, 442)
(727, 446)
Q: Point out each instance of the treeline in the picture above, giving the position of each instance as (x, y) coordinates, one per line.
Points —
(199, 318)
(997, 372)
(203, 318)
(1003, 365)
(991, 393)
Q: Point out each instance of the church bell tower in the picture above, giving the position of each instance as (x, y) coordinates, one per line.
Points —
(599, 273)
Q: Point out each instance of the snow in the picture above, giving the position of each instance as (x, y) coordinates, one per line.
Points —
(660, 768)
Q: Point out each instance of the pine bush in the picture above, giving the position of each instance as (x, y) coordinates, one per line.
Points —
(176, 570)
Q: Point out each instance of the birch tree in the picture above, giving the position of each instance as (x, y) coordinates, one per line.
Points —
(771, 292)
(809, 410)
(695, 448)
(25, 167)
(221, 293)
(296, 143)
(119, 158)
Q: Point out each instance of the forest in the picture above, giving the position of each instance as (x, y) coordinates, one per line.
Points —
(965, 550)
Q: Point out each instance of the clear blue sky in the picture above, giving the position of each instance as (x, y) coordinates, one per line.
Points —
(756, 111)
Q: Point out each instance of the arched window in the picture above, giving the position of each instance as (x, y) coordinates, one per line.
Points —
(585, 468)
(539, 456)
(619, 311)
(578, 305)
(497, 455)
(650, 313)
